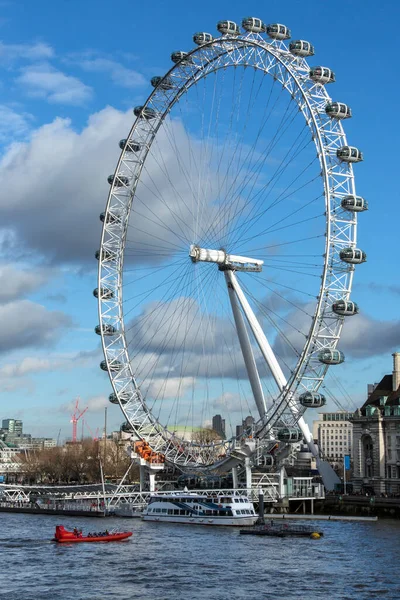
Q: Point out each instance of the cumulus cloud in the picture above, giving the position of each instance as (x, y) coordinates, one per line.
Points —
(64, 184)
(44, 81)
(118, 73)
(17, 283)
(364, 336)
(13, 124)
(27, 324)
(10, 53)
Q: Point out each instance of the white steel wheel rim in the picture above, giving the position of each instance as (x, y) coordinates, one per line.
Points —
(340, 231)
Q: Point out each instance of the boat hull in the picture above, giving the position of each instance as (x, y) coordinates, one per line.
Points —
(63, 536)
(224, 521)
(105, 538)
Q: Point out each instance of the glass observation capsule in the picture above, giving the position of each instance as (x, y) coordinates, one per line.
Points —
(345, 308)
(144, 112)
(111, 218)
(126, 427)
(106, 328)
(182, 57)
(131, 146)
(354, 203)
(301, 48)
(354, 256)
(338, 110)
(289, 435)
(164, 83)
(118, 180)
(115, 365)
(349, 154)
(312, 400)
(322, 75)
(105, 293)
(331, 357)
(202, 37)
(277, 31)
(123, 396)
(228, 28)
(253, 24)
(105, 255)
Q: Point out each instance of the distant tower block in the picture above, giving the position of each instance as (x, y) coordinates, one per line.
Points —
(396, 370)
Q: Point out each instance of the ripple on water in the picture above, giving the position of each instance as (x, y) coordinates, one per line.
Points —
(353, 561)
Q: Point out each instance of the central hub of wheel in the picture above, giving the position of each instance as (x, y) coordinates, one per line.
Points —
(223, 260)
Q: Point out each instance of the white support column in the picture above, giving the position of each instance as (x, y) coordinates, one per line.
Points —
(248, 473)
(235, 480)
(247, 351)
(270, 358)
(152, 477)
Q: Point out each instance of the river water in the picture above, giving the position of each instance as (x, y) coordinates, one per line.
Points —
(174, 562)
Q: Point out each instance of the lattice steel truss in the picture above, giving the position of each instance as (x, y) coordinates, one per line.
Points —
(292, 72)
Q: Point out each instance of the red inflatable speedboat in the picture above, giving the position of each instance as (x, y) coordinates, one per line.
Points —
(75, 536)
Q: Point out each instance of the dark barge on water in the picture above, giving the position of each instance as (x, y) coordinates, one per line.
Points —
(283, 530)
(274, 529)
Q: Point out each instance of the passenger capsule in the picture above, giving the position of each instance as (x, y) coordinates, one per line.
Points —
(106, 328)
(301, 48)
(278, 31)
(331, 357)
(253, 24)
(349, 154)
(181, 57)
(345, 308)
(118, 180)
(354, 256)
(289, 435)
(127, 427)
(131, 146)
(322, 75)
(338, 110)
(114, 365)
(144, 112)
(106, 255)
(312, 400)
(111, 218)
(123, 396)
(201, 38)
(228, 28)
(354, 203)
(164, 83)
(105, 293)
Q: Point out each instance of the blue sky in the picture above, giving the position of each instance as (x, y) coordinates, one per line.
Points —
(71, 72)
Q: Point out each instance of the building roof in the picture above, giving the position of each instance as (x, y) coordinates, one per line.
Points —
(383, 389)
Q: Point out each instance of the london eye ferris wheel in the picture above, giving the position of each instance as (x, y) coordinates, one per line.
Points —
(229, 245)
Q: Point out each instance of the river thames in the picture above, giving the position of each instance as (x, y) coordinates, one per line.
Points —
(354, 560)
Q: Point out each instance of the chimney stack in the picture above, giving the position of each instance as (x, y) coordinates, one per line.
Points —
(396, 370)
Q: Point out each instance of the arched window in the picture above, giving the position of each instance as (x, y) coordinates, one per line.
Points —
(367, 456)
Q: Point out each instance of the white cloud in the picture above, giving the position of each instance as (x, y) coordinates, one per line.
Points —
(10, 53)
(56, 203)
(171, 388)
(44, 81)
(13, 124)
(16, 283)
(119, 74)
(27, 324)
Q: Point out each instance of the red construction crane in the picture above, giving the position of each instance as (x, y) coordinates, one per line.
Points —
(94, 436)
(77, 414)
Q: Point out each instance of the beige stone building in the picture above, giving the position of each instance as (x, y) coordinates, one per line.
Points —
(333, 432)
(376, 436)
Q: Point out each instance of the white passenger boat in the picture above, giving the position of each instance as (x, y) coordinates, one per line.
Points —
(198, 508)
